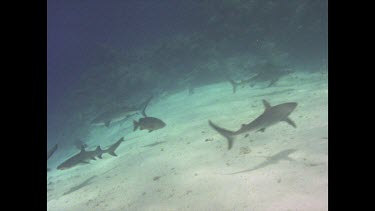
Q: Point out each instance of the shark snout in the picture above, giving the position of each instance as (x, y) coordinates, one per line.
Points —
(291, 106)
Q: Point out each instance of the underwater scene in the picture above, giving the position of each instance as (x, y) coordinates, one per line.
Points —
(187, 105)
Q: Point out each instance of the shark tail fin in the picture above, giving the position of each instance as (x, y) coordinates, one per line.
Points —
(229, 135)
(135, 125)
(234, 85)
(112, 148)
(144, 106)
(99, 151)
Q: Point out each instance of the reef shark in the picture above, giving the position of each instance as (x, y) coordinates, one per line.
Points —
(236, 84)
(270, 116)
(269, 72)
(119, 114)
(283, 155)
(83, 157)
(271, 76)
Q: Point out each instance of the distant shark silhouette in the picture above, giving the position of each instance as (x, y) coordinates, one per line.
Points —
(270, 72)
(236, 84)
(270, 116)
(283, 155)
(271, 76)
(119, 114)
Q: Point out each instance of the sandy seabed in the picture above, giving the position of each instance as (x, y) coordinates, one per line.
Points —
(190, 167)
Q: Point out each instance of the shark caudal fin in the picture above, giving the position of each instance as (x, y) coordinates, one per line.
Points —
(144, 106)
(111, 149)
(229, 135)
(234, 85)
(135, 125)
(99, 152)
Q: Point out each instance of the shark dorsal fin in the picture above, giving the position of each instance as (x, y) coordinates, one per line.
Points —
(98, 149)
(83, 149)
(266, 104)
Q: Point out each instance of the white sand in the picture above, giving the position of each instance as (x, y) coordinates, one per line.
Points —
(193, 171)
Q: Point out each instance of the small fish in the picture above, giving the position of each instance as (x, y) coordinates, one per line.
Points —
(148, 123)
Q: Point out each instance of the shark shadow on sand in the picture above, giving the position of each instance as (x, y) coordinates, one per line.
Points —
(283, 155)
(79, 186)
(274, 93)
(154, 144)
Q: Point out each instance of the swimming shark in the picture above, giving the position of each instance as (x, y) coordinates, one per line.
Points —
(119, 114)
(270, 116)
(271, 76)
(236, 84)
(269, 72)
(83, 157)
(283, 155)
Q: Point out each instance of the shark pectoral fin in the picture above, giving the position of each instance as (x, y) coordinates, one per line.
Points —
(230, 143)
(113, 154)
(289, 159)
(261, 130)
(150, 131)
(272, 82)
(266, 104)
(93, 158)
(289, 121)
(107, 123)
(85, 162)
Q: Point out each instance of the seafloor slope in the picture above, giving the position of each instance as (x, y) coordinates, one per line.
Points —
(188, 169)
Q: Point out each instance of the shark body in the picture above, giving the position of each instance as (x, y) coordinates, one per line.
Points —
(83, 157)
(119, 114)
(270, 116)
(271, 76)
